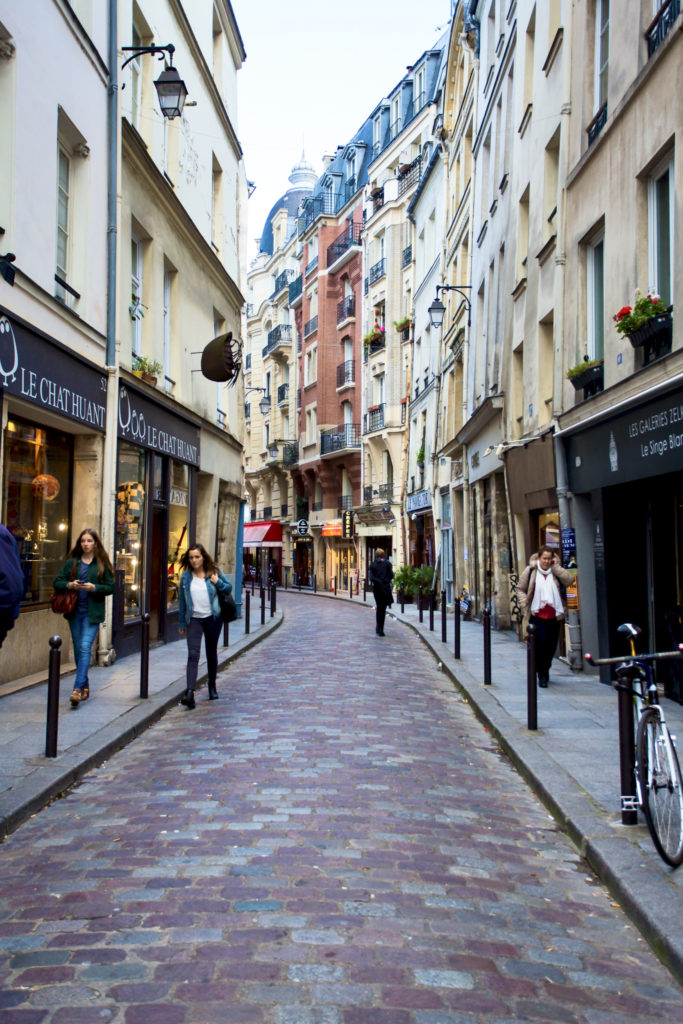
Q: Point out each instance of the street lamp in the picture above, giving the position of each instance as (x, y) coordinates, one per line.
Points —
(170, 87)
(272, 447)
(437, 310)
(264, 404)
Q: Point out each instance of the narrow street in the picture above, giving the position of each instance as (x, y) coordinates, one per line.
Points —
(337, 840)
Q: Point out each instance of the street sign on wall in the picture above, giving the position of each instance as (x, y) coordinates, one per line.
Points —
(302, 527)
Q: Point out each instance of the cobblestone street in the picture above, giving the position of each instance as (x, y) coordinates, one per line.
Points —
(337, 840)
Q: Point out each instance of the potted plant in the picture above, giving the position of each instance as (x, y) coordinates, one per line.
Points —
(585, 373)
(403, 325)
(148, 369)
(420, 457)
(645, 319)
(136, 307)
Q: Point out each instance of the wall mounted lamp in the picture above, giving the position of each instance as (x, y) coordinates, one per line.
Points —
(504, 446)
(6, 268)
(437, 310)
(272, 447)
(264, 404)
(170, 87)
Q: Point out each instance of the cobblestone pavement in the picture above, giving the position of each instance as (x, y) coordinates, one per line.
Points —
(335, 841)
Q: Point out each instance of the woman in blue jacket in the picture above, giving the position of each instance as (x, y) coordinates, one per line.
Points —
(200, 615)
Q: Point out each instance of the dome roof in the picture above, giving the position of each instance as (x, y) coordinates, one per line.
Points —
(302, 178)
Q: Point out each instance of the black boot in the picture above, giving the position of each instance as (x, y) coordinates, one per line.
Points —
(213, 695)
(188, 699)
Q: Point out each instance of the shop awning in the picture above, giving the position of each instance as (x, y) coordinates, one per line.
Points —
(332, 528)
(262, 535)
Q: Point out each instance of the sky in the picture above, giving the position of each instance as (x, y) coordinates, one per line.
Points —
(315, 70)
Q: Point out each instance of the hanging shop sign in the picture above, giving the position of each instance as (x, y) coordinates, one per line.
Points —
(40, 370)
(156, 427)
(418, 500)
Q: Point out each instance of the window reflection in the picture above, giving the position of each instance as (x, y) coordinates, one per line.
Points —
(130, 526)
(178, 504)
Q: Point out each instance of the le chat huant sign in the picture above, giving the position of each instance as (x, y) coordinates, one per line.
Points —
(39, 370)
(645, 441)
(153, 426)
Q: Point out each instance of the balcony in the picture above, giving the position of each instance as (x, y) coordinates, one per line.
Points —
(282, 281)
(374, 419)
(346, 374)
(367, 494)
(597, 124)
(658, 30)
(311, 326)
(310, 267)
(385, 492)
(339, 439)
(279, 338)
(296, 288)
(346, 309)
(346, 240)
(410, 176)
(377, 199)
(406, 257)
(290, 456)
(321, 204)
(283, 394)
(374, 345)
(345, 502)
(378, 270)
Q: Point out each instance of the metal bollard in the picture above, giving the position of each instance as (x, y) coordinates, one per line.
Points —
(144, 658)
(402, 599)
(351, 587)
(315, 584)
(253, 583)
(486, 622)
(334, 586)
(629, 797)
(286, 577)
(444, 633)
(456, 629)
(247, 612)
(263, 606)
(432, 598)
(365, 588)
(226, 634)
(531, 694)
(273, 598)
(53, 697)
(419, 605)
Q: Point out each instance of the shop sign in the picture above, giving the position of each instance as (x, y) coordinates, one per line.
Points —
(154, 426)
(332, 528)
(347, 524)
(40, 370)
(302, 527)
(419, 500)
(569, 549)
(645, 441)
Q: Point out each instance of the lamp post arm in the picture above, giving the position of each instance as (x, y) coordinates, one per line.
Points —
(460, 290)
(138, 50)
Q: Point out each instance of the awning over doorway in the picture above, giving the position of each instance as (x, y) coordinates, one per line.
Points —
(262, 535)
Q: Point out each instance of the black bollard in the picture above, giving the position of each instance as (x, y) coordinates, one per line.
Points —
(456, 629)
(419, 605)
(486, 622)
(365, 588)
(53, 697)
(402, 599)
(315, 584)
(444, 633)
(273, 598)
(629, 798)
(334, 585)
(286, 577)
(351, 586)
(263, 606)
(144, 658)
(531, 694)
(247, 611)
(432, 599)
(226, 634)
(253, 583)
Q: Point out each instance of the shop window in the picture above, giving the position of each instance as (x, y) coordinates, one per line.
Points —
(130, 526)
(178, 507)
(37, 501)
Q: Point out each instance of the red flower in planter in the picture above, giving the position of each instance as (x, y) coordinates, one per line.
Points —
(624, 311)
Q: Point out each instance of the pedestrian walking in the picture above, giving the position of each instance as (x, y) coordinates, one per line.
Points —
(200, 615)
(540, 599)
(11, 582)
(381, 574)
(87, 571)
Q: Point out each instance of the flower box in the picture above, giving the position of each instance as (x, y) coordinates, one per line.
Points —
(651, 329)
(589, 380)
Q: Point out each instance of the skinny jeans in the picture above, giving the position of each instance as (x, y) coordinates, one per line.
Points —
(210, 629)
(83, 633)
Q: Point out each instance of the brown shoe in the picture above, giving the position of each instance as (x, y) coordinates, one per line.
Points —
(85, 693)
(76, 698)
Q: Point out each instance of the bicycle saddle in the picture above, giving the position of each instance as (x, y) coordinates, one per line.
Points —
(629, 629)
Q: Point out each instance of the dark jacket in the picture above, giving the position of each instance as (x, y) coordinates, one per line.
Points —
(96, 597)
(185, 598)
(11, 579)
(380, 575)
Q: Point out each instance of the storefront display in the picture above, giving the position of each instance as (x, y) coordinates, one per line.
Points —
(178, 507)
(130, 526)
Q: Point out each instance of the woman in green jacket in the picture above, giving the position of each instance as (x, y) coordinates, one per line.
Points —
(88, 571)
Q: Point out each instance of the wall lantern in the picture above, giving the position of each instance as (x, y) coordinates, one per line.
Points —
(437, 310)
(170, 87)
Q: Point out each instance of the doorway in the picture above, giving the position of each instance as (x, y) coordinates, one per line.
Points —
(158, 574)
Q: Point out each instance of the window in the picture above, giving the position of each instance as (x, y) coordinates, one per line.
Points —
(523, 235)
(660, 231)
(601, 54)
(166, 318)
(136, 307)
(311, 424)
(216, 205)
(420, 96)
(529, 61)
(130, 526)
(136, 82)
(550, 180)
(595, 295)
(311, 366)
(63, 215)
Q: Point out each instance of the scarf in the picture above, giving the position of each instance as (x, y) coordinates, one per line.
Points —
(546, 592)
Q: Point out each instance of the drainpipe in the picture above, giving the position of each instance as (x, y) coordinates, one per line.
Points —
(573, 618)
(106, 653)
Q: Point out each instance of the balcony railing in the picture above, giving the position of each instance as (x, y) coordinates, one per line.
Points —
(279, 337)
(317, 506)
(410, 177)
(367, 494)
(267, 511)
(346, 373)
(597, 124)
(290, 457)
(378, 270)
(247, 361)
(661, 26)
(346, 308)
(407, 256)
(324, 203)
(310, 267)
(350, 236)
(345, 502)
(247, 410)
(377, 198)
(374, 419)
(311, 326)
(372, 347)
(296, 288)
(282, 281)
(385, 492)
(283, 394)
(337, 439)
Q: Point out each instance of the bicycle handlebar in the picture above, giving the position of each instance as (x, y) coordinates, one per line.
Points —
(628, 659)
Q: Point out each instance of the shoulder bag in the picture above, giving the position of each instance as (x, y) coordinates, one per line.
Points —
(63, 602)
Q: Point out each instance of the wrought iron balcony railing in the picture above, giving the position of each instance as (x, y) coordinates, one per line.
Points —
(283, 394)
(349, 237)
(290, 457)
(385, 492)
(410, 177)
(337, 439)
(282, 281)
(311, 326)
(378, 270)
(371, 347)
(310, 267)
(345, 502)
(374, 419)
(367, 494)
(661, 26)
(407, 256)
(296, 288)
(346, 308)
(346, 373)
(279, 337)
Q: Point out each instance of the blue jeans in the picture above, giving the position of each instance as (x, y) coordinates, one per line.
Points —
(83, 633)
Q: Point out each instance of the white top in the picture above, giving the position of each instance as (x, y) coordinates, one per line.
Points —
(201, 606)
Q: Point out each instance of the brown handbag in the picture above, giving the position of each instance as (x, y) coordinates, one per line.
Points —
(63, 602)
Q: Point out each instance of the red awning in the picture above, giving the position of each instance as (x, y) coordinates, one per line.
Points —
(263, 535)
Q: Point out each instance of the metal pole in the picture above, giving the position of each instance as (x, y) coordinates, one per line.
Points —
(444, 633)
(315, 584)
(456, 629)
(334, 585)
(531, 694)
(226, 634)
(286, 575)
(402, 598)
(299, 579)
(365, 588)
(53, 697)
(273, 598)
(419, 604)
(486, 620)
(253, 582)
(629, 799)
(431, 610)
(263, 605)
(351, 586)
(144, 658)
(247, 612)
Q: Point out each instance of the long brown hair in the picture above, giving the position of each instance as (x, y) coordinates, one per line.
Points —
(207, 561)
(101, 556)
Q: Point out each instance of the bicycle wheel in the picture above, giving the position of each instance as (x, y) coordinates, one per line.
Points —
(661, 786)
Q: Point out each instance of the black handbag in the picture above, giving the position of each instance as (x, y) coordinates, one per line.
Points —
(228, 606)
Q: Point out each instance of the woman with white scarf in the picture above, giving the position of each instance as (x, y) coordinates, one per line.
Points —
(540, 599)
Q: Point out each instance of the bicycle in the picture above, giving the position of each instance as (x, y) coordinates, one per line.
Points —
(658, 782)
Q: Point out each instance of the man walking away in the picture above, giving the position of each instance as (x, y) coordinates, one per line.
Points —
(381, 574)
